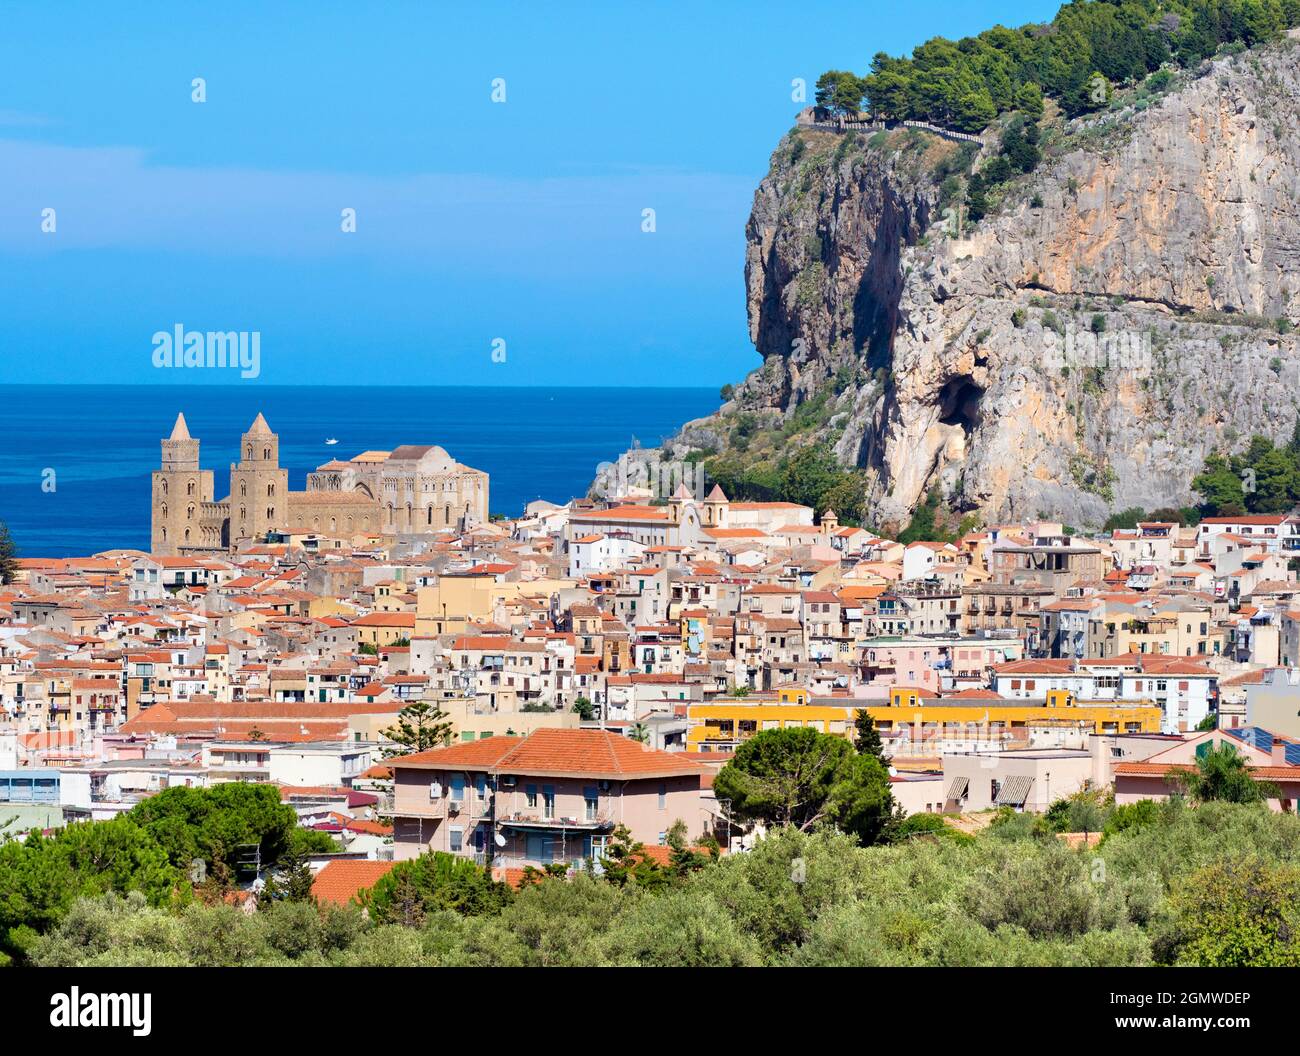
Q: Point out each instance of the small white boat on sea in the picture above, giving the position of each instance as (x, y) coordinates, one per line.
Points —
(331, 441)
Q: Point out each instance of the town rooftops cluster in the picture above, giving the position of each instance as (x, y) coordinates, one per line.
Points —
(618, 652)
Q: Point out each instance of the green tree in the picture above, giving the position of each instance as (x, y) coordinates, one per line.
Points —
(839, 91)
(584, 709)
(1220, 487)
(435, 881)
(212, 824)
(1029, 98)
(1126, 519)
(421, 724)
(8, 556)
(1239, 914)
(625, 862)
(1277, 482)
(41, 876)
(289, 881)
(800, 777)
(866, 738)
(1221, 773)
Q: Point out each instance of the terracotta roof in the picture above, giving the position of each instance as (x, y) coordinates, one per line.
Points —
(342, 879)
(1260, 773)
(583, 753)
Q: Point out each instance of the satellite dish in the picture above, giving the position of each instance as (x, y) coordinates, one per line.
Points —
(500, 840)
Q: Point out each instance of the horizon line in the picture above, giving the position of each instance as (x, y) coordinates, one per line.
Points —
(340, 385)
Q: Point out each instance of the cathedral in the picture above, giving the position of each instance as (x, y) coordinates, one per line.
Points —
(412, 490)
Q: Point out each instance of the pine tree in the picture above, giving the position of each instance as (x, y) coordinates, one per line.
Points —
(8, 555)
(289, 881)
(866, 737)
(420, 725)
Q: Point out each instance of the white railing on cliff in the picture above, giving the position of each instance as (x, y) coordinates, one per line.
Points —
(809, 119)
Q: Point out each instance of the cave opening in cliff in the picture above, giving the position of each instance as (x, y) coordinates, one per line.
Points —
(959, 403)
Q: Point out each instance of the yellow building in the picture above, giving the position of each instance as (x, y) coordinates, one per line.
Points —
(454, 602)
(723, 726)
(384, 628)
(1168, 632)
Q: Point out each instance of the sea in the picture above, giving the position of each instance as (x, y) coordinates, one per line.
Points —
(75, 460)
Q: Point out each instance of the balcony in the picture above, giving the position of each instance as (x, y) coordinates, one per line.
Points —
(411, 805)
(602, 822)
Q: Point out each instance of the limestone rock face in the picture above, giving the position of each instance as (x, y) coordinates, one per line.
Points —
(1128, 307)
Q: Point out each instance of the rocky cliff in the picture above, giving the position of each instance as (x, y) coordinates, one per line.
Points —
(1121, 311)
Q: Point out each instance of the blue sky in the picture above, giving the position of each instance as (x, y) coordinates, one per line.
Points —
(475, 220)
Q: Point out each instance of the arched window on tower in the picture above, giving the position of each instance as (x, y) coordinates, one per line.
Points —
(164, 509)
(248, 453)
(266, 452)
(243, 489)
(189, 512)
(429, 519)
(270, 489)
(189, 488)
(164, 487)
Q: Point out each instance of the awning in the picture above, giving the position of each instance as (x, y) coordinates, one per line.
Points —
(1014, 792)
(957, 790)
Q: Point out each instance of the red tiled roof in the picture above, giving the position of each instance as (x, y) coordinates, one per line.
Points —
(342, 879)
(584, 753)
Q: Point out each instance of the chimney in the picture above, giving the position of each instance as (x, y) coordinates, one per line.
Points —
(1277, 757)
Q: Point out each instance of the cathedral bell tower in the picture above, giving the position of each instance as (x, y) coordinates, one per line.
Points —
(259, 488)
(179, 490)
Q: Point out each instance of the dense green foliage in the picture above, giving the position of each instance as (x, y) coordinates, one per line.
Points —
(1134, 515)
(1261, 479)
(1215, 884)
(433, 882)
(151, 852)
(800, 777)
(931, 523)
(1221, 774)
(1075, 59)
(811, 476)
(219, 825)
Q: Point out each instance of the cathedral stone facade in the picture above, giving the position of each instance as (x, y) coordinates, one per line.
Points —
(412, 490)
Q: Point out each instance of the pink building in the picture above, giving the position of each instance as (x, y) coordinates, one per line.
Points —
(1270, 759)
(553, 796)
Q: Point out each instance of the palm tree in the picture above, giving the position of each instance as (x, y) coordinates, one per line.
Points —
(1221, 774)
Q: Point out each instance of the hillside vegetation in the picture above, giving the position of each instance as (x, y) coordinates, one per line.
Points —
(1217, 884)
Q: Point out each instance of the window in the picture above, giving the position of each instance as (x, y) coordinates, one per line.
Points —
(457, 788)
(457, 838)
(591, 801)
(480, 786)
(548, 801)
(663, 797)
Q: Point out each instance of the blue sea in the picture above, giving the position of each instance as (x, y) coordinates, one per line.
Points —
(101, 443)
